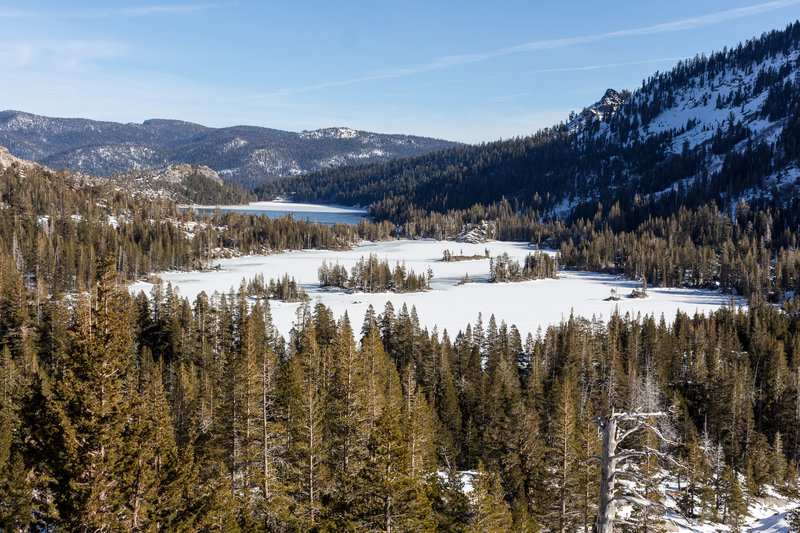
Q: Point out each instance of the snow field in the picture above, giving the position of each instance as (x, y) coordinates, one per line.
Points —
(529, 305)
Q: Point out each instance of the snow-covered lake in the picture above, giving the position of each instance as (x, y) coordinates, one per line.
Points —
(323, 214)
(530, 305)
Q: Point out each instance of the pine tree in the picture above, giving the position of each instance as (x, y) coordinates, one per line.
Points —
(392, 499)
(92, 410)
(348, 428)
(155, 477)
(735, 505)
(449, 432)
(759, 465)
(246, 452)
(15, 491)
(794, 519)
(490, 513)
(272, 429)
(698, 476)
(589, 447)
(564, 451)
(419, 426)
(378, 367)
(305, 400)
(451, 506)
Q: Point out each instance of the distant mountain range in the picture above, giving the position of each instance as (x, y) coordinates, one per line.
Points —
(716, 128)
(244, 155)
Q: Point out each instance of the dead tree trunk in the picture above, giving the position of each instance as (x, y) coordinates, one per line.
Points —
(614, 429)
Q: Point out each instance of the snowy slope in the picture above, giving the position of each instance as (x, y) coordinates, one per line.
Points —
(696, 115)
(696, 108)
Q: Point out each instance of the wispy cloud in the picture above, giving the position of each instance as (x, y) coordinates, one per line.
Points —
(62, 54)
(580, 68)
(167, 9)
(603, 66)
(509, 97)
(548, 44)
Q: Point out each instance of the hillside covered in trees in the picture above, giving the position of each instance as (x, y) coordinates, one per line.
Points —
(153, 412)
(54, 225)
(711, 129)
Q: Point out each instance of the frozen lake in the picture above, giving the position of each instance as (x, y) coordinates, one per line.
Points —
(322, 214)
(530, 305)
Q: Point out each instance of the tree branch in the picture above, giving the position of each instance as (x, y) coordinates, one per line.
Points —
(628, 454)
(631, 475)
(629, 432)
(639, 502)
(620, 417)
(651, 427)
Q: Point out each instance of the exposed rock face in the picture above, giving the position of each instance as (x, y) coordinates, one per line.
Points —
(6, 160)
(602, 110)
(176, 173)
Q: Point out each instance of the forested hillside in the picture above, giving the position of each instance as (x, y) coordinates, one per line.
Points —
(150, 412)
(713, 129)
(54, 225)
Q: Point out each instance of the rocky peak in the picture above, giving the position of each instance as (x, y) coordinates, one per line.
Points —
(601, 111)
(609, 104)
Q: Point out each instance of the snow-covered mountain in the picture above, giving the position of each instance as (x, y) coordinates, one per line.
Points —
(697, 116)
(245, 155)
(714, 128)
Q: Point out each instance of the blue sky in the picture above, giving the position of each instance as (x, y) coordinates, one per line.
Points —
(469, 71)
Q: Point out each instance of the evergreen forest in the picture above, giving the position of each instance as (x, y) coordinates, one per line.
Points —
(152, 412)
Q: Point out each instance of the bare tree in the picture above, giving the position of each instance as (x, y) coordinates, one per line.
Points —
(614, 429)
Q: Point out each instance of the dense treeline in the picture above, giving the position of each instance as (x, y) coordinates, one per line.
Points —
(244, 233)
(141, 413)
(373, 275)
(53, 227)
(537, 265)
(746, 248)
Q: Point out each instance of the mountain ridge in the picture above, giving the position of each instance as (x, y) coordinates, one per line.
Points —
(241, 154)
